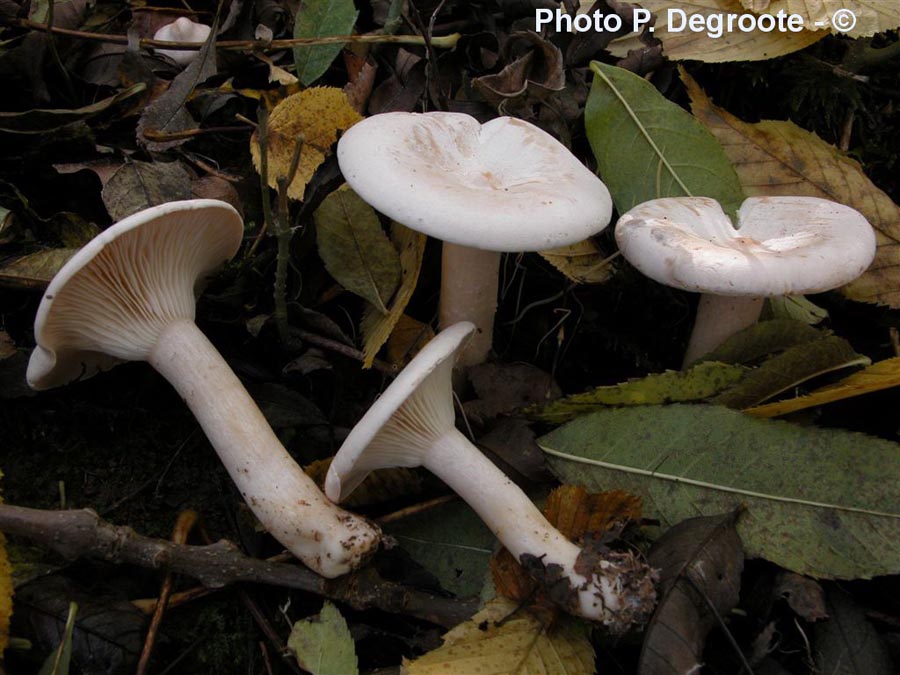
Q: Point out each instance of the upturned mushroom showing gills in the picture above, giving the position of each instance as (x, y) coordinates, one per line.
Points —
(779, 246)
(481, 188)
(128, 295)
(412, 424)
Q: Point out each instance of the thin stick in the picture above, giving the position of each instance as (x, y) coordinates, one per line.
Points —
(444, 42)
(415, 508)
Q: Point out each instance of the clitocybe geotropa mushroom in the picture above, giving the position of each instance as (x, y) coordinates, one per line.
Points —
(412, 424)
(128, 295)
(182, 30)
(779, 246)
(481, 188)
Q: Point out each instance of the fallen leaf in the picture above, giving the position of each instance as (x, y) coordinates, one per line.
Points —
(376, 325)
(354, 248)
(700, 562)
(407, 339)
(871, 16)
(34, 271)
(700, 45)
(804, 596)
(779, 158)
(648, 147)
(763, 339)
(583, 262)
(379, 487)
(167, 114)
(697, 383)
(316, 19)
(498, 639)
(504, 387)
(848, 644)
(527, 78)
(136, 186)
(699, 459)
(317, 115)
(451, 542)
(794, 307)
(881, 375)
(789, 369)
(323, 644)
(42, 121)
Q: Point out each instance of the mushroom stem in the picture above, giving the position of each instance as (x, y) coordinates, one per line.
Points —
(718, 318)
(286, 501)
(469, 286)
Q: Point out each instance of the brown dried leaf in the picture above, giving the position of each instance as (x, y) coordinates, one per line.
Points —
(528, 78)
(804, 596)
(379, 486)
(502, 388)
(34, 271)
(700, 562)
(317, 115)
(407, 339)
(138, 185)
(780, 158)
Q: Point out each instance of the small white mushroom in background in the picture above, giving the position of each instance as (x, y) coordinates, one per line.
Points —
(129, 295)
(412, 424)
(481, 188)
(182, 30)
(779, 246)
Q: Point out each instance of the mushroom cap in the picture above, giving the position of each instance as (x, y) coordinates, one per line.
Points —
(780, 246)
(182, 30)
(384, 438)
(112, 299)
(501, 186)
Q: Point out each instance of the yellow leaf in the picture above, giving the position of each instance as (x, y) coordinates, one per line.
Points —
(881, 375)
(317, 114)
(780, 158)
(377, 327)
(407, 339)
(733, 45)
(868, 16)
(583, 262)
(521, 645)
(6, 593)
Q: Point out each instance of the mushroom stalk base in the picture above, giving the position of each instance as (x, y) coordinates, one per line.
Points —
(718, 318)
(286, 501)
(469, 286)
(617, 590)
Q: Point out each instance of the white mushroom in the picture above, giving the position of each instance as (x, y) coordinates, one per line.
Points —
(182, 30)
(483, 189)
(128, 295)
(779, 246)
(412, 424)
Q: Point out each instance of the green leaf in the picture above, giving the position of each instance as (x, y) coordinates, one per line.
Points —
(451, 542)
(796, 365)
(795, 307)
(762, 339)
(355, 249)
(321, 18)
(323, 645)
(648, 147)
(697, 383)
(821, 502)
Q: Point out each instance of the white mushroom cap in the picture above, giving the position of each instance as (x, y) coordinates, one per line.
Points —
(182, 30)
(780, 245)
(502, 186)
(384, 438)
(110, 301)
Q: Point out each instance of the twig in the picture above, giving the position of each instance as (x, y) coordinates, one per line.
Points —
(344, 350)
(444, 42)
(184, 524)
(283, 235)
(414, 509)
(81, 533)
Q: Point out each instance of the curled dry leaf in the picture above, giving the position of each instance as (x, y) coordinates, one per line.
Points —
(316, 115)
(700, 562)
(526, 79)
(779, 158)
(804, 596)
